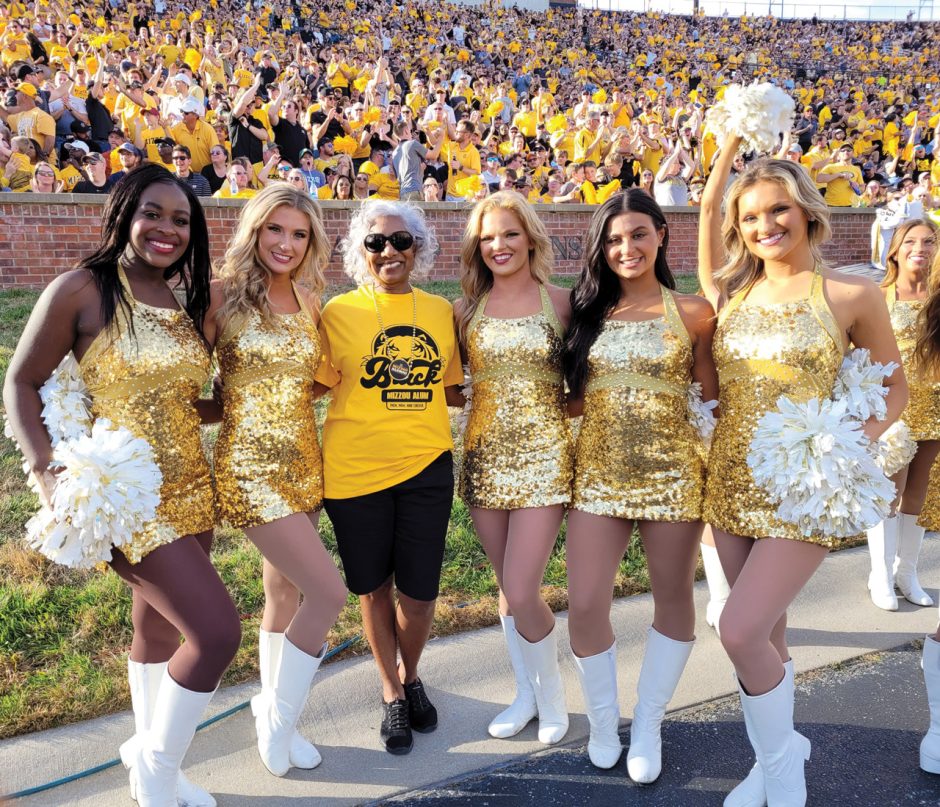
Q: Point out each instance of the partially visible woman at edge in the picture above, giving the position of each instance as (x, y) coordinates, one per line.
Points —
(144, 362)
(894, 544)
(518, 460)
(634, 347)
(269, 476)
(929, 349)
(785, 321)
(392, 364)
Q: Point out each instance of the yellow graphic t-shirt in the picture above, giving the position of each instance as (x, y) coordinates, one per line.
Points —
(385, 425)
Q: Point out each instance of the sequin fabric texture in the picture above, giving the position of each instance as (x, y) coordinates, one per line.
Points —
(267, 457)
(637, 455)
(930, 514)
(762, 352)
(922, 413)
(517, 446)
(148, 381)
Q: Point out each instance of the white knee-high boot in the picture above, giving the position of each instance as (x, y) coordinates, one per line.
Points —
(910, 538)
(718, 588)
(303, 754)
(882, 546)
(144, 681)
(541, 664)
(155, 760)
(523, 709)
(750, 792)
(277, 711)
(663, 663)
(598, 676)
(781, 752)
(930, 745)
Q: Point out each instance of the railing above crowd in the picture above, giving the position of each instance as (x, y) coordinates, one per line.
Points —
(924, 11)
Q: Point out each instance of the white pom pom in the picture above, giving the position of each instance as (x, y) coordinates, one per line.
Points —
(860, 383)
(463, 418)
(758, 113)
(815, 462)
(107, 491)
(895, 449)
(65, 402)
(700, 413)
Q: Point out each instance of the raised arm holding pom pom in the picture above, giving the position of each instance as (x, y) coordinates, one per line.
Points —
(785, 321)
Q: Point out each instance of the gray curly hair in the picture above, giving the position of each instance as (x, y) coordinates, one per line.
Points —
(354, 253)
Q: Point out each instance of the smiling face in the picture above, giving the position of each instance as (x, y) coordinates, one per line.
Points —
(159, 232)
(283, 240)
(917, 251)
(771, 223)
(505, 246)
(390, 268)
(631, 244)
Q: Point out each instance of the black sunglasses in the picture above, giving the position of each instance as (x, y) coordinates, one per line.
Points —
(402, 240)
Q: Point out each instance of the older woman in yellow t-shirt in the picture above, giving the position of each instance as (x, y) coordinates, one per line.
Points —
(391, 361)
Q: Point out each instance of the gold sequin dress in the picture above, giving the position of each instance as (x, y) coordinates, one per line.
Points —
(267, 457)
(922, 413)
(763, 351)
(148, 381)
(930, 514)
(638, 456)
(517, 446)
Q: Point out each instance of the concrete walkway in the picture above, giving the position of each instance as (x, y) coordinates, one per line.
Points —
(469, 679)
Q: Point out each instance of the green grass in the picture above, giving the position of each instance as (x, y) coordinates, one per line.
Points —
(64, 634)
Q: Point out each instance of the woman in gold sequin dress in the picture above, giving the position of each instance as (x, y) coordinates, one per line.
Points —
(927, 355)
(517, 453)
(145, 363)
(784, 323)
(634, 348)
(894, 544)
(269, 472)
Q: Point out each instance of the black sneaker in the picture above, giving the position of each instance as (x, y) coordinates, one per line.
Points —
(421, 711)
(395, 728)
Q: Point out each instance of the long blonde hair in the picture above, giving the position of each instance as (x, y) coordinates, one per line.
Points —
(475, 277)
(892, 267)
(742, 267)
(245, 279)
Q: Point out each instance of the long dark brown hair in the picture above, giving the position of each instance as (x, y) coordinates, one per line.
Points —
(597, 291)
(927, 349)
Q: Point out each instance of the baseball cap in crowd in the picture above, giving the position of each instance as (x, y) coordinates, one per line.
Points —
(304, 153)
(79, 127)
(846, 147)
(78, 145)
(796, 148)
(164, 141)
(182, 77)
(26, 88)
(130, 148)
(191, 105)
(152, 110)
(23, 71)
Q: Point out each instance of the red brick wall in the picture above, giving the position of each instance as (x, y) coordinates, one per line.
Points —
(41, 236)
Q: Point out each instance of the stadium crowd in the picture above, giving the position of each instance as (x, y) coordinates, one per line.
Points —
(435, 101)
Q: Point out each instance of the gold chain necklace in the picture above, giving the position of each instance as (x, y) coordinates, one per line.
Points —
(399, 369)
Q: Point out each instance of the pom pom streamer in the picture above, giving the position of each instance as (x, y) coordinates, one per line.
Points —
(106, 492)
(701, 415)
(895, 449)
(758, 113)
(107, 481)
(814, 461)
(65, 402)
(861, 384)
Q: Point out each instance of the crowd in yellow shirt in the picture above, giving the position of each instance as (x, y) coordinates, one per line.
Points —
(607, 94)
